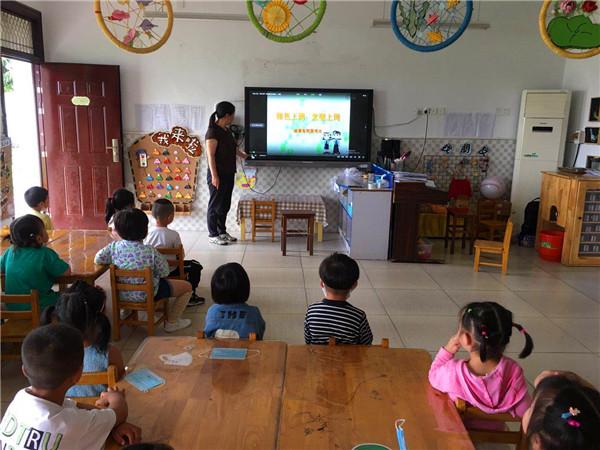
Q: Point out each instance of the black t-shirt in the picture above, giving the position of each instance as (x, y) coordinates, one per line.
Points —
(226, 147)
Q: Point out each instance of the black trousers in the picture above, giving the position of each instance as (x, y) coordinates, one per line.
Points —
(193, 272)
(219, 204)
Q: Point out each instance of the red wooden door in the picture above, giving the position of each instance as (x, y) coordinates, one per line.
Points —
(81, 116)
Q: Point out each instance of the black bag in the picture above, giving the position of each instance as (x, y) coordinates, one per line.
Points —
(530, 218)
(193, 272)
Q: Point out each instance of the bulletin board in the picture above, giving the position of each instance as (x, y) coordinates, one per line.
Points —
(164, 164)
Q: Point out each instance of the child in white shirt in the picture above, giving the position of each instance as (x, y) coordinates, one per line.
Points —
(161, 235)
(40, 416)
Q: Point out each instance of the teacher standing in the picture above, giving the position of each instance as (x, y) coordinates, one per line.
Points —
(222, 152)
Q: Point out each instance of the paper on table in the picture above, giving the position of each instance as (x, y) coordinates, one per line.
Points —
(459, 125)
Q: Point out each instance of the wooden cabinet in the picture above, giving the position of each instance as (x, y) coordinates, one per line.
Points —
(572, 203)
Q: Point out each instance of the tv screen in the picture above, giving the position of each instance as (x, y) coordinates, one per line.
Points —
(289, 124)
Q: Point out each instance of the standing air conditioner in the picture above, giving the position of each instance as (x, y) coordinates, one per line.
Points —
(543, 120)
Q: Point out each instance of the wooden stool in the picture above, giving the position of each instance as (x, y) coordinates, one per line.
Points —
(309, 216)
(452, 227)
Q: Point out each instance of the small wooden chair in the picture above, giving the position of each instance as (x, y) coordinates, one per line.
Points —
(251, 336)
(494, 248)
(108, 377)
(385, 342)
(176, 263)
(469, 412)
(309, 216)
(263, 215)
(491, 217)
(17, 324)
(150, 306)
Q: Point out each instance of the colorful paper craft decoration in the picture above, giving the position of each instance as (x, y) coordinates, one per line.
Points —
(179, 171)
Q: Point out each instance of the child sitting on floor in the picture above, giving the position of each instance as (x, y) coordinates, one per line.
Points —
(487, 380)
(161, 235)
(37, 199)
(564, 414)
(28, 264)
(231, 317)
(120, 200)
(334, 316)
(130, 253)
(41, 417)
(82, 307)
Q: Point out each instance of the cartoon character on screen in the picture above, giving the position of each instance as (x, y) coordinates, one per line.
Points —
(326, 137)
(336, 136)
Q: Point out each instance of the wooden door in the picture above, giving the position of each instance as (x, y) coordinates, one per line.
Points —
(80, 137)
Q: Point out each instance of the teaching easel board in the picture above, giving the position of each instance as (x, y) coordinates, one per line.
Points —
(164, 164)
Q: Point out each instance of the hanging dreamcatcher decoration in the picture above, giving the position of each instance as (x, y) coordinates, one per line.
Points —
(127, 25)
(427, 26)
(571, 29)
(286, 20)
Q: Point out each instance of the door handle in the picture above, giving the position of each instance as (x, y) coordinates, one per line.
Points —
(115, 150)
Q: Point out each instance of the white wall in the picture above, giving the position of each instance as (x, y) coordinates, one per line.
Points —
(207, 61)
(582, 77)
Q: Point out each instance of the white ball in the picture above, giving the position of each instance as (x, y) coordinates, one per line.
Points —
(493, 187)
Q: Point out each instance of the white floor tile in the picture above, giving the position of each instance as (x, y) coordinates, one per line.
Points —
(275, 277)
(508, 299)
(547, 338)
(562, 303)
(279, 300)
(268, 260)
(532, 282)
(585, 365)
(427, 332)
(409, 279)
(451, 277)
(287, 328)
(587, 283)
(586, 331)
(400, 302)
(383, 327)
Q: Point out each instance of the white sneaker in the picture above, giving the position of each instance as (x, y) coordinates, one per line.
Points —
(171, 327)
(227, 237)
(217, 240)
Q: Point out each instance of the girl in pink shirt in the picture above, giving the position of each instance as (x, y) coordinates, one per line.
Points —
(487, 380)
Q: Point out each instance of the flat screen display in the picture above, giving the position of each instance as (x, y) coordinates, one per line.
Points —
(299, 124)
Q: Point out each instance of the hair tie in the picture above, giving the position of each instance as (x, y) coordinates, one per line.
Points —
(568, 417)
(483, 331)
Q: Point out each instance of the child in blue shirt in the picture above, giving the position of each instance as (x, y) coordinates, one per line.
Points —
(230, 316)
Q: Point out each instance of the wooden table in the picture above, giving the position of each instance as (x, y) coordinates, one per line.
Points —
(338, 397)
(78, 248)
(293, 202)
(211, 404)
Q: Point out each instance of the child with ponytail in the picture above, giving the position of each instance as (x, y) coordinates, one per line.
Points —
(564, 414)
(82, 306)
(487, 380)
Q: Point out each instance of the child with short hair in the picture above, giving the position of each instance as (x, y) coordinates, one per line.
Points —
(334, 316)
(37, 199)
(41, 417)
(161, 235)
(564, 414)
(231, 317)
(487, 380)
(121, 199)
(28, 264)
(130, 253)
(82, 306)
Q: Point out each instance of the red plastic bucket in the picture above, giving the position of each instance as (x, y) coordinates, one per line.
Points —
(551, 243)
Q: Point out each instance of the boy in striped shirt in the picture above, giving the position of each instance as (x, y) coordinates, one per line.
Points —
(334, 316)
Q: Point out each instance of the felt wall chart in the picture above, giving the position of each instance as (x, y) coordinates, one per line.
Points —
(165, 165)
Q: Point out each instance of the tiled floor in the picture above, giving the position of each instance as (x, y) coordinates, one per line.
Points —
(414, 305)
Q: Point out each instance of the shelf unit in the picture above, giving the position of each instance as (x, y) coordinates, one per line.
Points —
(573, 201)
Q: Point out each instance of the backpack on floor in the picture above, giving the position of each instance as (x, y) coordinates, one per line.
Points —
(530, 218)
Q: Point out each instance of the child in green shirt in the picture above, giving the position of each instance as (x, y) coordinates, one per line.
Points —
(28, 264)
